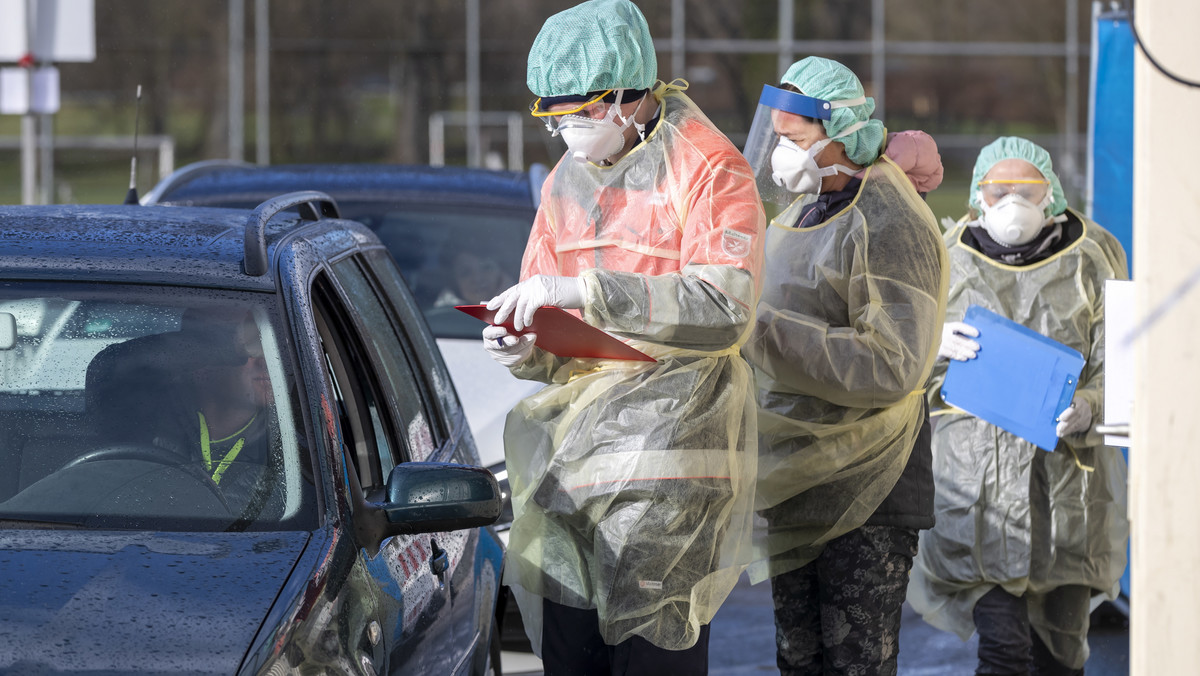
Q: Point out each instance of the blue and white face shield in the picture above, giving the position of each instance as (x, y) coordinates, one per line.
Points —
(783, 169)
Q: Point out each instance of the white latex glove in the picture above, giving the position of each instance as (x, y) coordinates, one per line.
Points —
(506, 348)
(954, 343)
(1077, 418)
(523, 299)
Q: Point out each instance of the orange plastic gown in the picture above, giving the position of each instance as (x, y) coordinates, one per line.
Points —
(633, 481)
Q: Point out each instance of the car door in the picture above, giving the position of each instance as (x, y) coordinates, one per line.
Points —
(476, 556)
(410, 415)
(407, 573)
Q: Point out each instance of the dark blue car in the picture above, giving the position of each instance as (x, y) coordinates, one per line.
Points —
(229, 445)
(457, 234)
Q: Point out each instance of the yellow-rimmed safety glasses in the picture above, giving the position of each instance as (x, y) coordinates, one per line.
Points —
(536, 109)
(1034, 190)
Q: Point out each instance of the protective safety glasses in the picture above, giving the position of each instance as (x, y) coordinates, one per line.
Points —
(1031, 189)
(539, 106)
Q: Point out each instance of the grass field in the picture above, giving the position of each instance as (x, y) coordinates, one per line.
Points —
(94, 180)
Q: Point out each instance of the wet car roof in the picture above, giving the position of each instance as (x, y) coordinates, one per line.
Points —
(377, 181)
(162, 245)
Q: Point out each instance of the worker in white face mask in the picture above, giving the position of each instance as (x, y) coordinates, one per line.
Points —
(1024, 538)
(632, 480)
(846, 333)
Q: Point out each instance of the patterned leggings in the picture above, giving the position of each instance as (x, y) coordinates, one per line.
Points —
(840, 614)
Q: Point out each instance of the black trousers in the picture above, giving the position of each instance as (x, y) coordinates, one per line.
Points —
(1007, 644)
(572, 646)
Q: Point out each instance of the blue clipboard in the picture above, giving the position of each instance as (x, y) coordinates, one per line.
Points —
(1020, 381)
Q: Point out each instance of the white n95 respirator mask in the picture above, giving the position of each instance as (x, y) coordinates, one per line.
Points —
(592, 140)
(1013, 220)
(795, 169)
(595, 140)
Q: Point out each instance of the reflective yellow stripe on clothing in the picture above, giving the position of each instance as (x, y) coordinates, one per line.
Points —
(206, 448)
(657, 252)
(648, 465)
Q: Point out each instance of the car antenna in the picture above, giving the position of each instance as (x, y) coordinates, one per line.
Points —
(131, 197)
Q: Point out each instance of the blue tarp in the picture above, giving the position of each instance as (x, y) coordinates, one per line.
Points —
(1111, 142)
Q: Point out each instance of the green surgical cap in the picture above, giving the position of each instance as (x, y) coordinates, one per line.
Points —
(830, 80)
(600, 44)
(1016, 148)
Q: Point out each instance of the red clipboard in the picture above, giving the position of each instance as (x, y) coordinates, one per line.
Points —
(563, 334)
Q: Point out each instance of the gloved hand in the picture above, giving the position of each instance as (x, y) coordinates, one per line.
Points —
(955, 345)
(523, 299)
(505, 348)
(1077, 418)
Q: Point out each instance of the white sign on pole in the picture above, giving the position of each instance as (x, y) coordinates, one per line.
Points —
(65, 32)
(14, 91)
(45, 96)
(21, 94)
(1118, 357)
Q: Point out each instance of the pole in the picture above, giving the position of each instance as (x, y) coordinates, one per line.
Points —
(46, 143)
(787, 35)
(678, 38)
(1071, 147)
(262, 82)
(473, 142)
(28, 120)
(28, 159)
(237, 79)
(878, 60)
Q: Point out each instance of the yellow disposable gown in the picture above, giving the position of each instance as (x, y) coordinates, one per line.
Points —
(847, 332)
(633, 481)
(1009, 514)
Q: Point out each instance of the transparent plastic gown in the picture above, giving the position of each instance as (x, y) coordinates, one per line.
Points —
(633, 481)
(1009, 514)
(846, 336)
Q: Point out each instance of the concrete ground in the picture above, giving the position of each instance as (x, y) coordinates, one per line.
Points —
(743, 643)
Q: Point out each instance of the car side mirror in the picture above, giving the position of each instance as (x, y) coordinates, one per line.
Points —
(8, 330)
(427, 497)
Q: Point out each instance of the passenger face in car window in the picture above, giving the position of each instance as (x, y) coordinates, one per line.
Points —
(477, 277)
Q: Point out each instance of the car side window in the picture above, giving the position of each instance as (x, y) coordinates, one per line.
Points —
(357, 394)
(408, 393)
(428, 354)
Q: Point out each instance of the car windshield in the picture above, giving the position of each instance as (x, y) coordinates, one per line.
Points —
(449, 255)
(149, 408)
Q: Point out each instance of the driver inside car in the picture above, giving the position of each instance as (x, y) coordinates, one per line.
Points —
(223, 413)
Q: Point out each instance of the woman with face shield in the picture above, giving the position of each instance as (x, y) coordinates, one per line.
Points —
(854, 288)
(1024, 538)
(632, 481)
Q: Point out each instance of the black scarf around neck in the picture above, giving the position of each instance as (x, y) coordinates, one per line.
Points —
(1042, 246)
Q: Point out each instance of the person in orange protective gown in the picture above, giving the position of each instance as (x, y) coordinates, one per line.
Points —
(632, 481)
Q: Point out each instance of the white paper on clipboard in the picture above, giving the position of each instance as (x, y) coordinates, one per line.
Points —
(1119, 321)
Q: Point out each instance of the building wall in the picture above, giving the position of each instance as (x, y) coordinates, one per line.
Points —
(1165, 472)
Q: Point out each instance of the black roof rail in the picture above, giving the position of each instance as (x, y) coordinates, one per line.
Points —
(313, 205)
